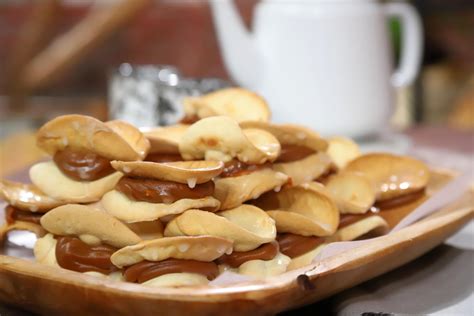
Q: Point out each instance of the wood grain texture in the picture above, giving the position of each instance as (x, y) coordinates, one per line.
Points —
(68, 49)
(49, 290)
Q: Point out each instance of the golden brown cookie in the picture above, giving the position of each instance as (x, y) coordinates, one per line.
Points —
(307, 169)
(113, 140)
(238, 103)
(199, 248)
(233, 191)
(49, 179)
(92, 226)
(27, 197)
(129, 211)
(221, 138)
(247, 226)
(165, 139)
(290, 134)
(301, 210)
(353, 192)
(342, 150)
(392, 175)
(188, 172)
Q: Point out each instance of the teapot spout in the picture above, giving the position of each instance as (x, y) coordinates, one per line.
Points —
(237, 44)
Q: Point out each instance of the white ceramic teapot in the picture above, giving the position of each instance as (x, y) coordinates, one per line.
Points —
(326, 64)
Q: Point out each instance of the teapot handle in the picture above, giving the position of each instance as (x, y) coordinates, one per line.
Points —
(411, 42)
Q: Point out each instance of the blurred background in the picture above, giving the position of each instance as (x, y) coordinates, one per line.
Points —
(57, 57)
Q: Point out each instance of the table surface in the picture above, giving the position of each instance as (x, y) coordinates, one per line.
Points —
(442, 280)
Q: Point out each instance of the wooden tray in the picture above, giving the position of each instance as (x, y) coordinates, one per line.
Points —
(49, 290)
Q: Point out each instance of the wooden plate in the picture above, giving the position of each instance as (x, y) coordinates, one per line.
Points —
(50, 290)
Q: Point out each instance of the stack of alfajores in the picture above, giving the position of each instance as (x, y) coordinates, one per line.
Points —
(179, 205)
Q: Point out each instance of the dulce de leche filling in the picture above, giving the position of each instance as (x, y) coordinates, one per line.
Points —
(291, 153)
(236, 168)
(190, 119)
(325, 176)
(236, 258)
(162, 157)
(74, 254)
(400, 200)
(147, 270)
(13, 214)
(82, 165)
(295, 245)
(158, 191)
(392, 211)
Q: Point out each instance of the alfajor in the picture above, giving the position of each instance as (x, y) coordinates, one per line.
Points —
(164, 142)
(307, 218)
(303, 154)
(351, 227)
(247, 153)
(26, 204)
(302, 214)
(82, 148)
(252, 231)
(237, 103)
(82, 239)
(150, 190)
(172, 261)
(380, 183)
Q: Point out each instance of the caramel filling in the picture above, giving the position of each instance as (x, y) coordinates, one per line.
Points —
(147, 270)
(349, 219)
(235, 168)
(157, 191)
(13, 214)
(291, 153)
(82, 165)
(162, 157)
(392, 211)
(264, 252)
(190, 119)
(295, 245)
(400, 200)
(325, 176)
(74, 254)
